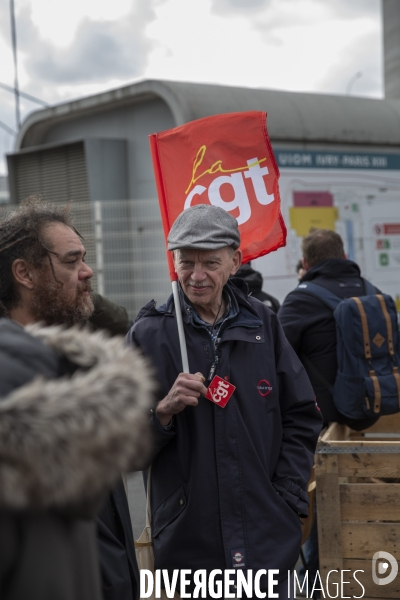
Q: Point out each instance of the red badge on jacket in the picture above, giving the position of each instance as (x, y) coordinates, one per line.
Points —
(220, 391)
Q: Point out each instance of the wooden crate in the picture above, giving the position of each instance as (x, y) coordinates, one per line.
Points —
(358, 503)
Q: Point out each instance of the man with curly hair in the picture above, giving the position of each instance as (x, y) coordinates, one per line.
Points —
(44, 278)
(43, 274)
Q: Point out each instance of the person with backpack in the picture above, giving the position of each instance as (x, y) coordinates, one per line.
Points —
(344, 332)
(308, 319)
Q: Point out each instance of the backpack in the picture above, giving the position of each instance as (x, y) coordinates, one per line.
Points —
(368, 352)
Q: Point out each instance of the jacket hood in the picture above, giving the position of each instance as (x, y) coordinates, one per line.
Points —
(23, 357)
(333, 268)
(64, 442)
(253, 278)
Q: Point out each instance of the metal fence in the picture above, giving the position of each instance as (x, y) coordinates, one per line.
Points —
(125, 247)
(4, 193)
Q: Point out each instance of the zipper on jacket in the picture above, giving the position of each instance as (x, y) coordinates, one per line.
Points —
(213, 368)
(214, 345)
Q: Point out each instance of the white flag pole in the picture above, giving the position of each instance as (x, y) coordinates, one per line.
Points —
(181, 331)
(165, 220)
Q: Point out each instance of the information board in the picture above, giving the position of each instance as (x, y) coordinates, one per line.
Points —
(355, 194)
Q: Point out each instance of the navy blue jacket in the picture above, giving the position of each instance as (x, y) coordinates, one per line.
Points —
(230, 480)
(310, 327)
(119, 570)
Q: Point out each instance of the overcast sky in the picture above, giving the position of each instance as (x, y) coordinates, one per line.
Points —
(81, 47)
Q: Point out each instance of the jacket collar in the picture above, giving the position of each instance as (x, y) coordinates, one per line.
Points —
(245, 315)
(195, 319)
(332, 269)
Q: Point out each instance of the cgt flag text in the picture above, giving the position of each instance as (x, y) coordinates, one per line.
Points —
(225, 160)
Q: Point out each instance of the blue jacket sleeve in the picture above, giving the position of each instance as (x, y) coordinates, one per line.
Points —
(160, 435)
(301, 423)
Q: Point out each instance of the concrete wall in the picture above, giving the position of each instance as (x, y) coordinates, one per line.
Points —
(133, 122)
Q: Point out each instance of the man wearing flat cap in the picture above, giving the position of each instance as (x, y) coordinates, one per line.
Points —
(228, 484)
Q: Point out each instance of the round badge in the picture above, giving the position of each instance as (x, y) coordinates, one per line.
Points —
(238, 557)
(264, 387)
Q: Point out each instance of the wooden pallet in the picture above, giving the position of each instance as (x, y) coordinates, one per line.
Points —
(358, 503)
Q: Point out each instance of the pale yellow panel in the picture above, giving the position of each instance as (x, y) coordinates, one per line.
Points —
(303, 218)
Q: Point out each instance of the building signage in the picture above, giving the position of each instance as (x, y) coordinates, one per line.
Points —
(312, 159)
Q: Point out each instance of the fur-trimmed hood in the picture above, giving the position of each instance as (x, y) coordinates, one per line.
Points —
(64, 442)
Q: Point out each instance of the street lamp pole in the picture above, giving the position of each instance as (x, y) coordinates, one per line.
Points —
(14, 46)
(352, 82)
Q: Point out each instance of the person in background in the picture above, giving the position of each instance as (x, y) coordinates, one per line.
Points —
(300, 270)
(109, 316)
(309, 324)
(44, 279)
(63, 444)
(310, 327)
(255, 281)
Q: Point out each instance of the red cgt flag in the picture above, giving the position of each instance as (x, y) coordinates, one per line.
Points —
(225, 160)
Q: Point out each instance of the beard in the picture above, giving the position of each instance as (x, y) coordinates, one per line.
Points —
(51, 305)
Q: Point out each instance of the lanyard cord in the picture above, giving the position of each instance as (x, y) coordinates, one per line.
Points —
(215, 320)
(215, 339)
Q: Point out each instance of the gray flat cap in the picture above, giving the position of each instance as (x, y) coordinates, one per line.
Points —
(204, 227)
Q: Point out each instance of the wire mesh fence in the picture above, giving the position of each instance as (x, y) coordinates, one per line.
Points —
(125, 247)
